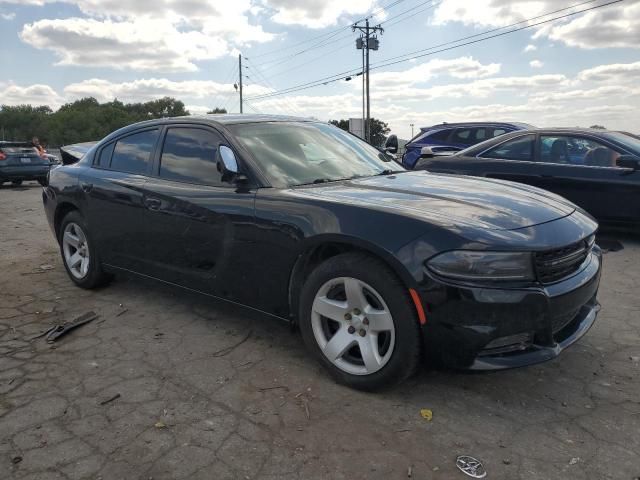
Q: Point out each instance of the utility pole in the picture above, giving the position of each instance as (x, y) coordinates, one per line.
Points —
(368, 42)
(240, 75)
(411, 125)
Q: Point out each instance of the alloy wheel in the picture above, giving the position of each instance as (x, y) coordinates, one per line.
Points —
(75, 249)
(353, 326)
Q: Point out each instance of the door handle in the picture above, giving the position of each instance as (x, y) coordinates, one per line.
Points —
(86, 187)
(152, 203)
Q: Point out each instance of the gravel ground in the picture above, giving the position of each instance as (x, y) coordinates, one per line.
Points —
(208, 391)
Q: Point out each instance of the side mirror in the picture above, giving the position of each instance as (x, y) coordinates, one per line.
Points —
(426, 152)
(391, 144)
(628, 161)
(228, 166)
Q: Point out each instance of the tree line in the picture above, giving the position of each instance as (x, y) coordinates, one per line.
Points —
(81, 121)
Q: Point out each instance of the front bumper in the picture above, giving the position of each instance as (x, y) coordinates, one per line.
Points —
(24, 172)
(491, 329)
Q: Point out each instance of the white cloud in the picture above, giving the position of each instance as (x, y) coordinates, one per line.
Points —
(461, 68)
(139, 45)
(152, 88)
(610, 26)
(163, 35)
(316, 13)
(38, 94)
(530, 48)
(8, 16)
(536, 64)
(615, 72)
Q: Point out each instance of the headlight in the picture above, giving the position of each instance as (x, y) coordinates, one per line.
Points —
(490, 266)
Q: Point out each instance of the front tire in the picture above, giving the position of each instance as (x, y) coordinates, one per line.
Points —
(358, 319)
(79, 253)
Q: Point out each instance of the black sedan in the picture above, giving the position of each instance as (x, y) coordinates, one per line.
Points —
(597, 170)
(302, 221)
(20, 161)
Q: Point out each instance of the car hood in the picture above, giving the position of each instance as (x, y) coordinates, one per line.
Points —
(449, 199)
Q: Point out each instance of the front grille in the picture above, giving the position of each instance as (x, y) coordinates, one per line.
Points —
(554, 265)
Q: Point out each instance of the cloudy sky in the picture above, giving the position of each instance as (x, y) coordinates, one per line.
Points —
(579, 70)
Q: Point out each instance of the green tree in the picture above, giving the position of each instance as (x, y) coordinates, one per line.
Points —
(379, 130)
(217, 110)
(83, 120)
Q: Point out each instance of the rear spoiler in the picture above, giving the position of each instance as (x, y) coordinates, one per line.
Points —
(74, 153)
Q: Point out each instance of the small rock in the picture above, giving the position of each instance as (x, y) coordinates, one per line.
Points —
(564, 404)
(506, 461)
(635, 359)
(574, 460)
(16, 460)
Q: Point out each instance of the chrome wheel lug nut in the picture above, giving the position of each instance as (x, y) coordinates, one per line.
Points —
(356, 311)
(365, 321)
(362, 332)
(347, 316)
(351, 330)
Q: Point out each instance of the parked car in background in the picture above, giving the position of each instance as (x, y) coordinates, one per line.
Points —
(305, 222)
(20, 161)
(598, 170)
(449, 138)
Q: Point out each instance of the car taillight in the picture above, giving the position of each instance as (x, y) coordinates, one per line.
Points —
(2, 156)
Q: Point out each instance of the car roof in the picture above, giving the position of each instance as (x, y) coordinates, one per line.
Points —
(478, 124)
(6, 143)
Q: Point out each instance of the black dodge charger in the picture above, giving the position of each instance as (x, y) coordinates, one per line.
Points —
(305, 222)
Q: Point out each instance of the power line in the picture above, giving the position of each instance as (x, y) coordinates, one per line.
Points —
(321, 43)
(413, 55)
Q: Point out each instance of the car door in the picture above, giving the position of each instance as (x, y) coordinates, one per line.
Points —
(112, 190)
(583, 169)
(198, 227)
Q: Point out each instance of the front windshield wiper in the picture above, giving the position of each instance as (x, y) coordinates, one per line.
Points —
(320, 180)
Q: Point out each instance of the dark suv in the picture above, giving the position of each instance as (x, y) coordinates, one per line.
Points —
(20, 161)
(449, 138)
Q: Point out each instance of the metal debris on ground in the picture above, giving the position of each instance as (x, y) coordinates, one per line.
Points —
(471, 466)
(109, 400)
(59, 330)
(427, 414)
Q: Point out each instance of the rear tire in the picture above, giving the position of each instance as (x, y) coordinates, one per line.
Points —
(370, 338)
(79, 253)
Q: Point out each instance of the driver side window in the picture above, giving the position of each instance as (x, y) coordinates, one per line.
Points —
(576, 151)
(520, 148)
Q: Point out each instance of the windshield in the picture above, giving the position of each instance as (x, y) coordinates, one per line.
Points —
(627, 141)
(303, 153)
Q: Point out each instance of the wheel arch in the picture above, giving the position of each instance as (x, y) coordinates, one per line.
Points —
(61, 211)
(324, 247)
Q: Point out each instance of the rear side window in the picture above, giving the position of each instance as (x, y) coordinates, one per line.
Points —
(104, 159)
(495, 132)
(132, 153)
(520, 148)
(189, 155)
(440, 136)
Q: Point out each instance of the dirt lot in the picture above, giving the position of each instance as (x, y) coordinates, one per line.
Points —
(192, 406)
